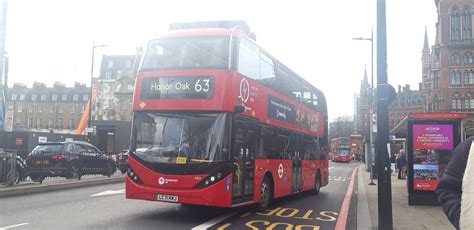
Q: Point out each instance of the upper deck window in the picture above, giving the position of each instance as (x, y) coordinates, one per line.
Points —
(203, 52)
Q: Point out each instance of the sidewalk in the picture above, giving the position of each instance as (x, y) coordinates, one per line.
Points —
(404, 216)
(30, 187)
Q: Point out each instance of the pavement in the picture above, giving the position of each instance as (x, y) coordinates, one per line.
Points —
(53, 184)
(404, 216)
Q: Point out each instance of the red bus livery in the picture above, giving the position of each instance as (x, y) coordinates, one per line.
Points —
(340, 149)
(219, 122)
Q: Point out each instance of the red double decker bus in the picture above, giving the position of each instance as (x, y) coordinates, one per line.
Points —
(340, 149)
(220, 122)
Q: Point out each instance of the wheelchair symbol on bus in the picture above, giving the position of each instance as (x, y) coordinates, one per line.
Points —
(280, 170)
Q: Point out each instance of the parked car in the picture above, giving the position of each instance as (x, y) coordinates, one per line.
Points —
(67, 159)
(122, 161)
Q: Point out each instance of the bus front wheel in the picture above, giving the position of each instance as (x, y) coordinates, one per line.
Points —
(265, 195)
(317, 184)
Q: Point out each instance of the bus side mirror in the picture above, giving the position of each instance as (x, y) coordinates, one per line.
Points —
(239, 108)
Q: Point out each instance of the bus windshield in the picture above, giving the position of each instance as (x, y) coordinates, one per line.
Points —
(203, 52)
(343, 152)
(180, 139)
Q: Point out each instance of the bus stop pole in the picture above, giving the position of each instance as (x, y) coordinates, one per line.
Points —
(383, 100)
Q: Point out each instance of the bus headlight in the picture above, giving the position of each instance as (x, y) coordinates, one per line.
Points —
(132, 175)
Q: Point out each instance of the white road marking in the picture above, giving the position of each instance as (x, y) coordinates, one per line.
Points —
(13, 226)
(109, 192)
(331, 167)
(214, 221)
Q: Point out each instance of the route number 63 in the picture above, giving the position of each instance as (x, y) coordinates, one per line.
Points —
(202, 85)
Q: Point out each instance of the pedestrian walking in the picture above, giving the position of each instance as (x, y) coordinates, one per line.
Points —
(393, 163)
(401, 164)
(455, 189)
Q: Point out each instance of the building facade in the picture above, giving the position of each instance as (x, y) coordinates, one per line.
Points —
(112, 111)
(55, 109)
(356, 115)
(448, 66)
(364, 107)
(407, 101)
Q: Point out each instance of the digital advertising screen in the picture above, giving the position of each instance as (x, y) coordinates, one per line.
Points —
(432, 148)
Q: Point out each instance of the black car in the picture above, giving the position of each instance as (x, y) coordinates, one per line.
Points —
(122, 161)
(67, 159)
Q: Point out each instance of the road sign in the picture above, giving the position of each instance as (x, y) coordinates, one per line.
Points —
(19, 141)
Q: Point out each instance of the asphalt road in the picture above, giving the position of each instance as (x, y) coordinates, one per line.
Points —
(104, 207)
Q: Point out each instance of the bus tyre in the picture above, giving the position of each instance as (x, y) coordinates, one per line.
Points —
(265, 195)
(317, 184)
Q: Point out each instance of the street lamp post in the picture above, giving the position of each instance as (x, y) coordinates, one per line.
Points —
(371, 149)
(89, 123)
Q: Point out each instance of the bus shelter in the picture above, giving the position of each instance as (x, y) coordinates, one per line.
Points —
(431, 139)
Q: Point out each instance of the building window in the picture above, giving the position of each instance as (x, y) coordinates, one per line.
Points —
(13, 97)
(455, 78)
(455, 59)
(29, 123)
(73, 108)
(456, 102)
(85, 97)
(108, 75)
(60, 109)
(33, 97)
(110, 64)
(60, 123)
(455, 25)
(39, 124)
(124, 104)
(435, 78)
(50, 123)
(18, 121)
(83, 107)
(128, 64)
(72, 124)
(54, 97)
(469, 102)
(30, 109)
(75, 97)
(468, 77)
(39, 108)
(467, 25)
(19, 108)
(22, 97)
(43, 97)
(52, 109)
(64, 97)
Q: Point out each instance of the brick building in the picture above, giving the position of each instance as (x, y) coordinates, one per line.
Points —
(448, 67)
(407, 101)
(46, 109)
(364, 98)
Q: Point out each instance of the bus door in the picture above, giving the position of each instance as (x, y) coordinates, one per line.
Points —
(245, 140)
(296, 151)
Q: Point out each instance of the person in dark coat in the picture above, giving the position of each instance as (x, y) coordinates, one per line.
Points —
(450, 187)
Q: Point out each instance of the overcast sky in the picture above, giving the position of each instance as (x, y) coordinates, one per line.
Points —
(51, 40)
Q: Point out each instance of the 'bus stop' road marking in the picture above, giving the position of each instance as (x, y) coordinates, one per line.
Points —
(13, 226)
(214, 221)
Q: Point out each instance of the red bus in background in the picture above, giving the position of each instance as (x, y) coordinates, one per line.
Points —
(340, 149)
(219, 122)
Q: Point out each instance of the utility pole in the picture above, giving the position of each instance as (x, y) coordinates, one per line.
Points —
(3, 81)
(385, 95)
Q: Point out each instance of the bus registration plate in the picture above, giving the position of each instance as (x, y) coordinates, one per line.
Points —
(168, 198)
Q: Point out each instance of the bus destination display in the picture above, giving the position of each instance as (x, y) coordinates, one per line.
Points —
(201, 87)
